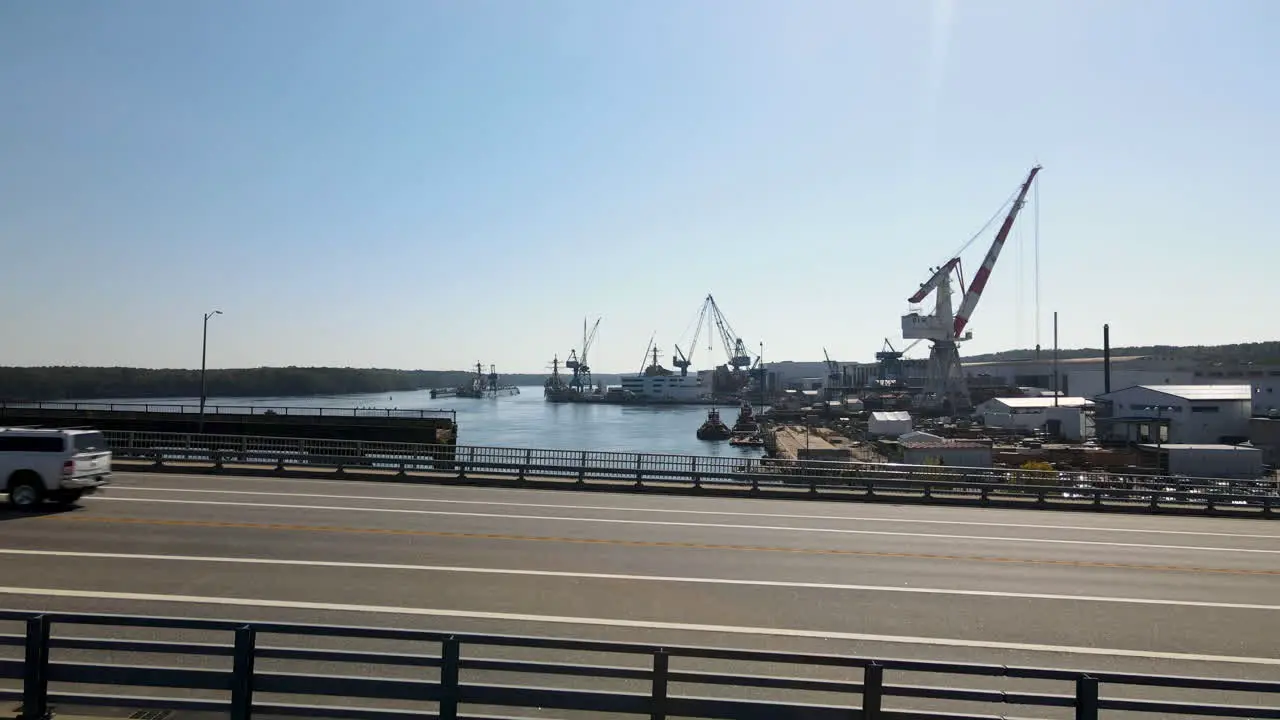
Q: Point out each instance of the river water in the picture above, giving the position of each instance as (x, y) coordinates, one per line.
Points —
(526, 420)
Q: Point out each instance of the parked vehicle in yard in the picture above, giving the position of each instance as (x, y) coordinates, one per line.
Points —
(38, 464)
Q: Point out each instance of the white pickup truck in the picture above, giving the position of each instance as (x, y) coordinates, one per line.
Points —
(39, 464)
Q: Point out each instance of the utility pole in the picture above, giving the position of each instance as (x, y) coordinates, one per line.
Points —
(1055, 359)
(204, 347)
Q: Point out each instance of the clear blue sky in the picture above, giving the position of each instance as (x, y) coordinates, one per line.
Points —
(426, 184)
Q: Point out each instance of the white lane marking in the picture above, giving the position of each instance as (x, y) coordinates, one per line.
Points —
(607, 508)
(639, 578)
(624, 623)
(672, 523)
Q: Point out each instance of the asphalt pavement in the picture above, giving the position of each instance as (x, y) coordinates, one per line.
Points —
(1176, 595)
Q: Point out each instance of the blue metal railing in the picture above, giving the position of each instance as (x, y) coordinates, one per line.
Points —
(760, 476)
(256, 682)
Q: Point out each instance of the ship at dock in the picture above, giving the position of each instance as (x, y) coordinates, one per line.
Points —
(482, 385)
(556, 389)
(580, 386)
(654, 384)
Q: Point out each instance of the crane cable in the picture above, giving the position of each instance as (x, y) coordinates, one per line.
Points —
(987, 225)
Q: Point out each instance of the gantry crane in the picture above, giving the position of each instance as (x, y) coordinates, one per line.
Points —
(577, 362)
(835, 377)
(678, 358)
(889, 362)
(738, 358)
(945, 387)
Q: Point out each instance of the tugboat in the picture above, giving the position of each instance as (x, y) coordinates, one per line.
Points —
(746, 422)
(746, 440)
(714, 428)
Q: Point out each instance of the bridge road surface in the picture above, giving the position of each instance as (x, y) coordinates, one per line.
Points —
(1171, 595)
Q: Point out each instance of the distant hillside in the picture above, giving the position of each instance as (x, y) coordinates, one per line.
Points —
(84, 383)
(62, 383)
(1260, 353)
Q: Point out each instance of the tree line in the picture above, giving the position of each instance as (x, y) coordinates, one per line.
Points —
(1261, 353)
(87, 383)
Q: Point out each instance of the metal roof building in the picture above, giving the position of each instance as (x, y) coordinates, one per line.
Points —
(1202, 392)
(1036, 403)
(1179, 414)
(1065, 419)
(885, 423)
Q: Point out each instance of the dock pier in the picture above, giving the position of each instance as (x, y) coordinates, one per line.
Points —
(432, 427)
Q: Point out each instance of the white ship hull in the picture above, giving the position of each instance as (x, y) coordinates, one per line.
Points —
(664, 388)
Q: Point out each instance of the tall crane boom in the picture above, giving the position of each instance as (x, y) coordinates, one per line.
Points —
(974, 293)
(682, 361)
(588, 338)
(735, 348)
(577, 361)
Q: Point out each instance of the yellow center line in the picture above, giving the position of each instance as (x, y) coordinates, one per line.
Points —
(644, 543)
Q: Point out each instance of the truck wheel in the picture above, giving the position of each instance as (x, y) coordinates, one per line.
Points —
(25, 492)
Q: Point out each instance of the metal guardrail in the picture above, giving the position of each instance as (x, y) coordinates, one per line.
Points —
(756, 475)
(447, 676)
(184, 409)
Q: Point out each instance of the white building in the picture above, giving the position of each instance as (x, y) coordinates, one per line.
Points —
(947, 453)
(1178, 414)
(1082, 377)
(1085, 377)
(889, 424)
(664, 388)
(1065, 418)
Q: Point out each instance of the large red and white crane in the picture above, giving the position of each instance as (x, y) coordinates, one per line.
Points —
(974, 293)
(945, 387)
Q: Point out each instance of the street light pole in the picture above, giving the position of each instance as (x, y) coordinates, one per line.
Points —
(204, 347)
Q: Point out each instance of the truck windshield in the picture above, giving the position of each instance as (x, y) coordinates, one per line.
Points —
(90, 442)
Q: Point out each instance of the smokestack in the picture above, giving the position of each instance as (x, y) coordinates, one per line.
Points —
(1055, 359)
(1106, 358)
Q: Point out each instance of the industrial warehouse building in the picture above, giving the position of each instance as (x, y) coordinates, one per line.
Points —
(1082, 377)
(1078, 377)
(1209, 461)
(1264, 434)
(1176, 414)
(1065, 418)
(1086, 377)
(947, 453)
(889, 424)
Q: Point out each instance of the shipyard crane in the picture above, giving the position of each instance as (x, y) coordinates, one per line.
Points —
(679, 359)
(889, 361)
(734, 375)
(945, 387)
(582, 380)
(736, 353)
(739, 357)
(835, 378)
